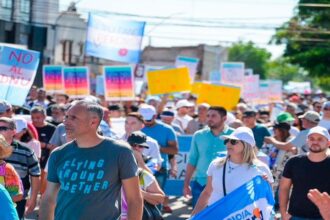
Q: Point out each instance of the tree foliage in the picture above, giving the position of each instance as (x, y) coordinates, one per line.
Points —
(254, 57)
(285, 71)
(307, 39)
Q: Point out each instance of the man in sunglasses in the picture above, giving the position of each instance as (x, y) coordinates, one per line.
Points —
(25, 163)
(205, 146)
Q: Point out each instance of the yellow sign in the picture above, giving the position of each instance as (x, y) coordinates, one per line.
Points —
(196, 87)
(219, 95)
(169, 81)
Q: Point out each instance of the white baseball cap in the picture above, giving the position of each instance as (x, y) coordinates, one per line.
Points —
(183, 103)
(242, 134)
(319, 130)
(147, 111)
(20, 123)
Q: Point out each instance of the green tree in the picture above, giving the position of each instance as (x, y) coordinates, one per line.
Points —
(285, 71)
(254, 57)
(307, 39)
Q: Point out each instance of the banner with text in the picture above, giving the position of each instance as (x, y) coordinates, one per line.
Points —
(232, 73)
(52, 78)
(168, 81)
(76, 81)
(112, 39)
(17, 72)
(253, 200)
(190, 62)
(118, 83)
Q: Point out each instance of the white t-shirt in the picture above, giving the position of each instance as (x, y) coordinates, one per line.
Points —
(235, 177)
(182, 122)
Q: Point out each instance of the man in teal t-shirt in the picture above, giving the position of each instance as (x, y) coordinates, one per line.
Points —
(259, 131)
(86, 175)
(205, 147)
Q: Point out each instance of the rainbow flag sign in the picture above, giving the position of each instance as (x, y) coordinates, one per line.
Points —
(118, 82)
(52, 78)
(76, 81)
(17, 72)
(112, 39)
(253, 200)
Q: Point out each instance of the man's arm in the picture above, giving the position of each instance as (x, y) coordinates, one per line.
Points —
(285, 186)
(189, 172)
(172, 148)
(133, 197)
(48, 202)
(35, 187)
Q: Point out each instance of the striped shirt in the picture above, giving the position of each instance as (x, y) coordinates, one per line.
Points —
(25, 163)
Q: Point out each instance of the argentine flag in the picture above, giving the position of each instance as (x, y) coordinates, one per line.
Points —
(111, 39)
(252, 201)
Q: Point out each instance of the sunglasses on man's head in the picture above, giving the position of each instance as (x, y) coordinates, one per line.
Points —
(231, 141)
(4, 128)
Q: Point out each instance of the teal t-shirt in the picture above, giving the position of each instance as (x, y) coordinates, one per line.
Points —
(7, 209)
(205, 148)
(90, 179)
(260, 132)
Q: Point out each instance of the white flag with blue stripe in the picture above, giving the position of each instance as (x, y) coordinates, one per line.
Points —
(251, 201)
(117, 40)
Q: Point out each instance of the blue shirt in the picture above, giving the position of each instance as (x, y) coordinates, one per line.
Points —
(162, 133)
(205, 148)
(7, 209)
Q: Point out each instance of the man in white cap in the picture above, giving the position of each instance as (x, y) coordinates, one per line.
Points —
(166, 138)
(309, 120)
(305, 172)
(182, 118)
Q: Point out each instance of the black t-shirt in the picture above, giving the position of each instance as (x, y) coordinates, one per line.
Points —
(306, 175)
(45, 134)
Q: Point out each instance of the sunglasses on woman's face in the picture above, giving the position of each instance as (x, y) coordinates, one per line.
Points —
(231, 141)
(4, 128)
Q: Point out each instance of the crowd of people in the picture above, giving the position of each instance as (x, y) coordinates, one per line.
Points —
(64, 155)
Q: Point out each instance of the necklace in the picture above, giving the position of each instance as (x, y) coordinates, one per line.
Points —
(231, 167)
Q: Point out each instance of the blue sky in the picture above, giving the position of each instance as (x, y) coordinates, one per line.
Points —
(214, 22)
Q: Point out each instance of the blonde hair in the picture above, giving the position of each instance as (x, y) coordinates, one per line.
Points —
(5, 149)
(249, 155)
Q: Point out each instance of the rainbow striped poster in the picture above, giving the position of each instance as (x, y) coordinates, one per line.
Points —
(52, 78)
(76, 81)
(118, 82)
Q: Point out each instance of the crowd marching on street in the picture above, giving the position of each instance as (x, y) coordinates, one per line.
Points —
(66, 157)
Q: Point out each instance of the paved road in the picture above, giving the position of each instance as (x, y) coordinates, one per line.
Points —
(178, 204)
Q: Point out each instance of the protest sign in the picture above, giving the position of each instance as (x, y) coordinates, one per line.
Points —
(275, 90)
(168, 81)
(263, 92)
(52, 78)
(173, 185)
(76, 81)
(118, 82)
(190, 62)
(253, 200)
(17, 72)
(232, 73)
(251, 88)
(299, 87)
(219, 95)
(112, 39)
